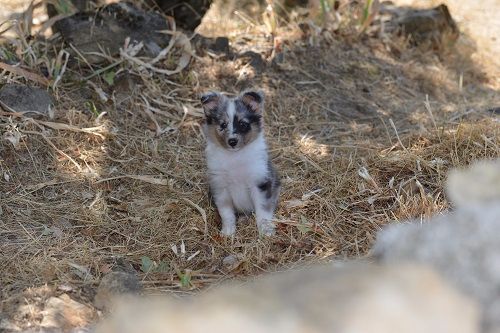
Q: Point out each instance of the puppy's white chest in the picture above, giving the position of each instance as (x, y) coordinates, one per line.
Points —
(241, 196)
(237, 173)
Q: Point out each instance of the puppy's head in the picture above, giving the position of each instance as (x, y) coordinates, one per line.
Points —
(233, 123)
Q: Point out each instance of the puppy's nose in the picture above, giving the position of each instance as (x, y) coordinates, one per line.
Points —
(232, 142)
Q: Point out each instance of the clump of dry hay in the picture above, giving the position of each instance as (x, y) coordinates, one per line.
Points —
(358, 141)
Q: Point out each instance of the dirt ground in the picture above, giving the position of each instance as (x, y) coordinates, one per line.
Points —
(362, 130)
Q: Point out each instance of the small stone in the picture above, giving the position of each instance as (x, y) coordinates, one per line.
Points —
(230, 260)
(221, 45)
(255, 60)
(64, 313)
(113, 285)
(19, 98)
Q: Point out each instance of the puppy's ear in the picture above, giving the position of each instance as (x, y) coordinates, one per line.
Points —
(210, 102)
(254, 100)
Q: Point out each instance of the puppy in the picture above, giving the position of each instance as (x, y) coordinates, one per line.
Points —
(242, 178)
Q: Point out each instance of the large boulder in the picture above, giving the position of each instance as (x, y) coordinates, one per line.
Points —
(104, 31)
(346, 298)
(434, 27)
(187, 14)
(462, 245)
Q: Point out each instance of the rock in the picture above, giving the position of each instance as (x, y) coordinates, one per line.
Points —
(221, 45)
(434, 27)
(478, 185)
(8, 326)
(71, 6)
(232, 262)
(31, 100)
(218, 45)
(346, 298)
(125, 87)
(462, 245)
(187, 13)
(108, 28)
(229, 260)
(255, 60)
(113, 285)
(63, 313)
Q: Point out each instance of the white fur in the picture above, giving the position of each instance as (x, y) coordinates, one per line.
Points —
(230, 115)
(234, 176)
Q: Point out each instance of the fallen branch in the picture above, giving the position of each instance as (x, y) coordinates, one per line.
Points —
(25, 73)
(144, 178)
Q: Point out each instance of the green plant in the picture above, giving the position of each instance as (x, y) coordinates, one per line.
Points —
(185, 278)
(92, 108)
(370, 10)
(109, 77)
(149, 266)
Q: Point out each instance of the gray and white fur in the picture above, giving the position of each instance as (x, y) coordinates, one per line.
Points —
(241, 176)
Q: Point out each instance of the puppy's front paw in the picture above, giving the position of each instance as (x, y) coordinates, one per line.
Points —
(228, 230)
(266, 228)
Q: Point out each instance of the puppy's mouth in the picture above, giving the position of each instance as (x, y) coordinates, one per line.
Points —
(236, 148)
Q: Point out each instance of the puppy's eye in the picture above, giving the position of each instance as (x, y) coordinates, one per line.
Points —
(244, 125)
(223, 126)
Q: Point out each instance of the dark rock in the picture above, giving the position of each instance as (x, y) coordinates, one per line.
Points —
(221, 45)
(187, 14)
(116, 284)
(255, 60)
(495, 110)
(108, 28)
(218, 45)
(19, 98)
(434, 27)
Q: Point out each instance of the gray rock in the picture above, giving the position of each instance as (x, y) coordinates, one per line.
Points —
(478, 185)
(8, 326)
(342, 299)
(31, 100)
(230, 260)
(462, 245)
(115, 285)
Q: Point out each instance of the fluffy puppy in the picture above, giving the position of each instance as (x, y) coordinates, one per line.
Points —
(241, 176)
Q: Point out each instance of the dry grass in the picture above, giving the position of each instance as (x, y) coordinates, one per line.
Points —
(361, 137)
